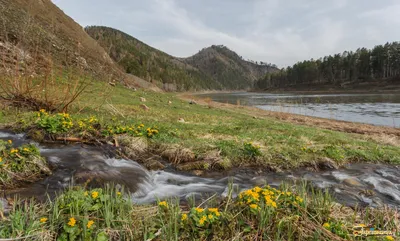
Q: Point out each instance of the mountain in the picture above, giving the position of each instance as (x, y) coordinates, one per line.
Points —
(228, 68)
(137, 58)
(213, 68)
(36, 36)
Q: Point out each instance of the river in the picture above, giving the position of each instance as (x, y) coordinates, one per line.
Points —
(356, 184)
(371, 108)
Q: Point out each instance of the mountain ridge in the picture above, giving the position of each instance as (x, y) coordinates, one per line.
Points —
(212, 68)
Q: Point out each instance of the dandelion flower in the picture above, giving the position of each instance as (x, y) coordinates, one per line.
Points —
(118, 193)
(72, 222)
(90, 223)
(95, 194)
(326, 225)
(9, 141)
(43, 220)
(389, 238)
(215, 211)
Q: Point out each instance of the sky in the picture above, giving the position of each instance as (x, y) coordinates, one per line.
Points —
(281, 32)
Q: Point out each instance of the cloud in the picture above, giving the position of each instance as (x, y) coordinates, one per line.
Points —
(277, 31)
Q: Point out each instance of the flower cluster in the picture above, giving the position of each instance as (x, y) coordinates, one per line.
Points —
(202, 217)
(251, 150)
(15, 158)
(59, 123)
(133, 130)
(88, 124)
(268, 197)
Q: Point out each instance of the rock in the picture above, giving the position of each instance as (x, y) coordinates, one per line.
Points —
(326, 164)
(142, 99)
(198, 172)
(169, 102)
(354, 182)
(154, 164)
(181, 120)
(198, 165)
(192, 102)
(4, 206)
(111, 83)
(144, 107)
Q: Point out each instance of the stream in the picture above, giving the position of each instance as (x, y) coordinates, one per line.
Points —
(356, 184)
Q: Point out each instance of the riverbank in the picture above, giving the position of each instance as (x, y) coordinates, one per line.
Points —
(380, 86)
(198, 137)
(205, 135)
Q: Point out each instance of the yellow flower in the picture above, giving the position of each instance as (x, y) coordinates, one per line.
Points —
(199, 210)
(14, 151)
(184, 217)
(95, 194)
(72, 222)
(9, 141)
(163, 204)
(202, 220)
(86, 193)
(210, 216)
(42, 110)
(257, 189)
(253, 206)
(326, 225)
(43, 220)
(389, 238)
(90, 223)
(118, 193)
(215, 211)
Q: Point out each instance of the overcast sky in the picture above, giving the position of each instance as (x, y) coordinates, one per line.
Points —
(275, 31)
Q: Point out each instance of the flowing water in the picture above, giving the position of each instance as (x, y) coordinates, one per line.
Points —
(372, 108)
(77, 163)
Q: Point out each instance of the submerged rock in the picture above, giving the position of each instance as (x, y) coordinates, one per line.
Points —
(352, 182)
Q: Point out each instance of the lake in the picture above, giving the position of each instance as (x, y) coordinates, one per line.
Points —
(371, 108)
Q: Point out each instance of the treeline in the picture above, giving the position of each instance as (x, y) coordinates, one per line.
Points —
(380, 63)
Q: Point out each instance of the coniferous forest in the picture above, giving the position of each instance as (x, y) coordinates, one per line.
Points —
(382, 63)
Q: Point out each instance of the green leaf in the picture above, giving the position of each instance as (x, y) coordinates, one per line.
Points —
(102, 237)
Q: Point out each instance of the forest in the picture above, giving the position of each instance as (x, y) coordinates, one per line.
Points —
(380, 63)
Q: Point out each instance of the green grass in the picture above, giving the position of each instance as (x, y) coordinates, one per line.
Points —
(265, 213)
(224, 131)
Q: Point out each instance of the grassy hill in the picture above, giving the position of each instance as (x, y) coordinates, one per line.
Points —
(215, 67)
(36, 38)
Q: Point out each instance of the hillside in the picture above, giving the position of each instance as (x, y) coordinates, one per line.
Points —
(228, 68)
(137, 58)
(364, 69)
(36, 37)
(215, 67)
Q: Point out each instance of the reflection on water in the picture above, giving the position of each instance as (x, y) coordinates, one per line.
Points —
(377, 109)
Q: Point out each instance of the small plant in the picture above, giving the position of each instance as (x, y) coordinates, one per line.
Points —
(251, 150)
(19, 163)
(58, 123)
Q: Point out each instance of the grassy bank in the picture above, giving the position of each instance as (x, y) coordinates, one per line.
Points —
(194, 136)
(261, 213)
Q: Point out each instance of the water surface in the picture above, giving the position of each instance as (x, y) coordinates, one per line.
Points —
(74, 164)
(371, 108)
